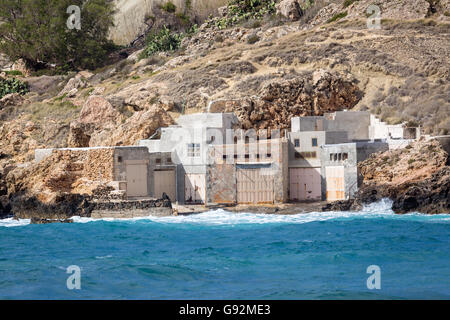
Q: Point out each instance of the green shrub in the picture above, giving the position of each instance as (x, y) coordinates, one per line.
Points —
(13, 85)
(338, 16)
(36, 31)
(13, 73)
(252, 39)
(162, 41)
(243, 10)
(169, 7)
(348, 3)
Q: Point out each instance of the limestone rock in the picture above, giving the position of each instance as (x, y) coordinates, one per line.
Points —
(12, 99)
(20, 66)
(141, 125)
(73, 85)
(98, 110)
(5, 63)
(80, 134)
(290, 9)
(416, 178)
(303, 95)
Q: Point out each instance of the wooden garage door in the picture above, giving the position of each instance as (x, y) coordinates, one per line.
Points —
(305, 184)
(254, 187)
(335, 183)
(194, 188)
(137, 180)
(165, 182)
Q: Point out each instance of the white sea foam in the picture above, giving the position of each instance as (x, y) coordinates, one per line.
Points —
(11, 222)
(381, 209)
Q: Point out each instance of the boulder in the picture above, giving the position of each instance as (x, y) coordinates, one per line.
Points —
(98, 110)
(21, 66)
(141, 125)
(12, 99)
(80, 134)
(73, 85)
(290, 9)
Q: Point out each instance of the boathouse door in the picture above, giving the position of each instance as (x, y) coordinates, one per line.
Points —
(335, 183)
(194, 188)
(165, 182)
(137, 180)
(254, 185)
(305, 184)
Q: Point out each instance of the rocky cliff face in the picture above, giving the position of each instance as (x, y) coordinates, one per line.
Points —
(416, 178)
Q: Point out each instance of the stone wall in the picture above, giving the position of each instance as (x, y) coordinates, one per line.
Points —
(99, 162)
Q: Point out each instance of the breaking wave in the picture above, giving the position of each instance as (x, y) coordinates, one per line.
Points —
(381, 209)
(11, 222)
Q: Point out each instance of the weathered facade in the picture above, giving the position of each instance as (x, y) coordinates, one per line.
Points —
(188, 143)
(205, 159)
(131, 170)
(255, 172)
(339, 170)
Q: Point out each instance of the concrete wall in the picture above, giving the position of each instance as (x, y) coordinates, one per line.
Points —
(305, 139)
(356, 123)
(365, 149)
(221, 174)
(356, 152)
(350, 166)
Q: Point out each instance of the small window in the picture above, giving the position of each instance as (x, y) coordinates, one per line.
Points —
(224, 157)
(258, 156)
(331, 157)
(235, 140)
(169, 160)
(119, 159)
(297, 143)
(247, 156)
(247, 139)
(235, 156)
(158, 161)
(345, 156)
(212, 138)
(269, 155)
(193, 150)
(335, 157)
(339, 156)
(314, 142)
(313, 154)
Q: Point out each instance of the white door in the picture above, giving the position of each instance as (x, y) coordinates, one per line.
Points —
(254, 187)
(335, 183)
(165, 182)
(305, 184)
(137, 180)
(194, 188)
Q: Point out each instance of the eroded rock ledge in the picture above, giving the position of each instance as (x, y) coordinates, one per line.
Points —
(416, 179)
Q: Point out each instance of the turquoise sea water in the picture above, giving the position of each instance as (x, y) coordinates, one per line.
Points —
(222, 255)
